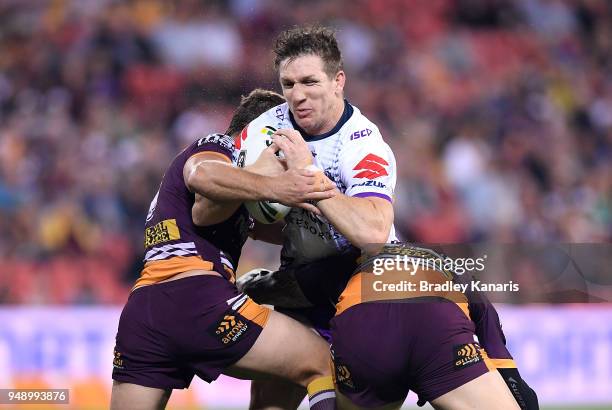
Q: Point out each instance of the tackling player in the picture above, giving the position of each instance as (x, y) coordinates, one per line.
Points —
(185, 316)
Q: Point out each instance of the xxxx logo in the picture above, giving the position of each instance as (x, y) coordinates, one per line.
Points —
(371, 167)
(227, 323)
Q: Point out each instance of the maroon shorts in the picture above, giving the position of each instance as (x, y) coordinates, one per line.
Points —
(171, 331)
(381, 350)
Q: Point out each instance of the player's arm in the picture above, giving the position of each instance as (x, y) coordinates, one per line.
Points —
(365, 215)
(206, 212)
(218, 180)
(228, 186)
(361, 220)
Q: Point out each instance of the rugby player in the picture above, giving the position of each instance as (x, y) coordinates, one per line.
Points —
(184, 316)
(350, 150)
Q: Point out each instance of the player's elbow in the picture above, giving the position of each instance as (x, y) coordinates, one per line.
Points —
(191, 182)
(377, 226)
(195, 182)
(380, 235)
(372, 235)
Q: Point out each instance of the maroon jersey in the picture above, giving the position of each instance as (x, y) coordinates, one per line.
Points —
(173, 243)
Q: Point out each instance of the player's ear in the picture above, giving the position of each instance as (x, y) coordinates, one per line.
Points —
(339, 81)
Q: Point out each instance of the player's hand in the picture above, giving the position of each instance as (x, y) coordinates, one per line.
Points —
(268, 163)
(294, 148)
(300, 187)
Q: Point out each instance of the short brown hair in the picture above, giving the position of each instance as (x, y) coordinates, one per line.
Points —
(317, 40)
(252, 106)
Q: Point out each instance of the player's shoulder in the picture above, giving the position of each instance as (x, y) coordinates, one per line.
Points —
(359, 127)
(218, 143)
(216, 140)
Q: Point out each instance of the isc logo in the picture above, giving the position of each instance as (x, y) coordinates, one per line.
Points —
(361, 134)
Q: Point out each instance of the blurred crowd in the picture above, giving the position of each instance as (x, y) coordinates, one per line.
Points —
(499, 113)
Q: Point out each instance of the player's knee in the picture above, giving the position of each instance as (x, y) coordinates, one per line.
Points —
(136, 397)
(316, 364)
(316, 368)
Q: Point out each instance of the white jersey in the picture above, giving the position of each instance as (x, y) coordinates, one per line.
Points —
(354, 156)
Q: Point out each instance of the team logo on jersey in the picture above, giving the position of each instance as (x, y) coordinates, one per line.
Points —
(267, 130)
(229, 327)
(467, 355)
(371, 167)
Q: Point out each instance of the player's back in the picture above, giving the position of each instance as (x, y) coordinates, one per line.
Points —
(172, 242)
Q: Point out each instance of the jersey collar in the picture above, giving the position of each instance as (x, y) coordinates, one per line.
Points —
(346, 115)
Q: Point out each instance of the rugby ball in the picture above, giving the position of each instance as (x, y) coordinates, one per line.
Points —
(249, 148)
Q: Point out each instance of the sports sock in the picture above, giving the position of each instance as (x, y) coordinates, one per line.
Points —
(525, 396)
(322, 394)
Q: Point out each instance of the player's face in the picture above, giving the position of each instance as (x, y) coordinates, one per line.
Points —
(314, 98)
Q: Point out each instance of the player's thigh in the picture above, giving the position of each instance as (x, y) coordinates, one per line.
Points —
(135, 397)
(287, 349)
(482, 393)
(275, 394)
(344, 403)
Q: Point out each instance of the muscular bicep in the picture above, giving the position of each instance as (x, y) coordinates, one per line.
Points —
(206, 211)
(190, 169)
(384, 208)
